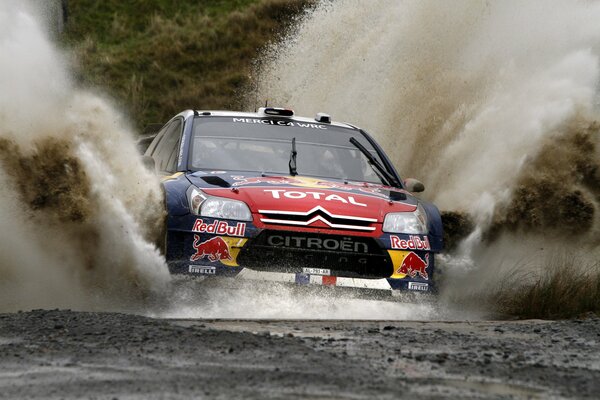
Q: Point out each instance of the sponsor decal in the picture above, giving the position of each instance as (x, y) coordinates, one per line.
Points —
(345, 244)
(325, 258)
(302, 279)
(219, 228)
(413, 243)
(171, 177)
(214, 249)
(422, 287)
(271, 180)
(367, 188)
(329, 280)
(180, 157)
(202, 269)
(279, 122)
(413, 265)
(235, 246)
(379, 191)
(297, 195)
(209, 172)
(316, 271)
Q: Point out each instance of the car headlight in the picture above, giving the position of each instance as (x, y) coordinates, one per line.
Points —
(217, 207)
(406, 222)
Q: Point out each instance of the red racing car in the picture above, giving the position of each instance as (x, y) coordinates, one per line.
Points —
(272, 196)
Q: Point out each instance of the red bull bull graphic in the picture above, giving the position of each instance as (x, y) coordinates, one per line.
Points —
(413, 243)
(271, 180)
(375, 190)
(220, 228)
(413, 265)
(214, 249)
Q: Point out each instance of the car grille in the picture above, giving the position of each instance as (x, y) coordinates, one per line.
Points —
(348, 256)
(317, 214)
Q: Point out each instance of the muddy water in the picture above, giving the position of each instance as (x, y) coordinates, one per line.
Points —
(494, 105)
(78, 210)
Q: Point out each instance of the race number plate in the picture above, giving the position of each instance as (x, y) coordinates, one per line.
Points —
(316, 271)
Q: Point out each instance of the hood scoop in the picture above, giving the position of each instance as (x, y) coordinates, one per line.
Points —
(216, 181)
(397, 196)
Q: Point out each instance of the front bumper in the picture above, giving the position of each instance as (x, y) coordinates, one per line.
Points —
(387, 262)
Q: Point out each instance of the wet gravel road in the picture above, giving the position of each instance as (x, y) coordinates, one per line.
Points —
(64, 354)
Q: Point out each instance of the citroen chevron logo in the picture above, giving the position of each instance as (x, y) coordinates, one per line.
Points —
(322, 215)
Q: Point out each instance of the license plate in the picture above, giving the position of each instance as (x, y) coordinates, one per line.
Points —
(316, 271)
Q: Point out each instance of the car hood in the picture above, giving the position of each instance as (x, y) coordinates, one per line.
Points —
(274, 194)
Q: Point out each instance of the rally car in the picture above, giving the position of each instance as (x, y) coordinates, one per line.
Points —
(272, 196)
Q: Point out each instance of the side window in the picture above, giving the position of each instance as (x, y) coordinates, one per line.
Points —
(161, 133)
(167, 146)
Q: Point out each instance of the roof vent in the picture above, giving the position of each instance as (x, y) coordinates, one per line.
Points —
(324, 118)
(276, 111)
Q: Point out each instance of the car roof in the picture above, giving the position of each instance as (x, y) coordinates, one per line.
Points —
(241, 114)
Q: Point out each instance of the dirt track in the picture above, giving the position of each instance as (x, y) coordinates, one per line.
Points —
(63, 354)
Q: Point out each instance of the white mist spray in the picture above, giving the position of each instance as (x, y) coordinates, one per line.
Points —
(459, 93)
(77, 207)
(468, 85)
(464, 95)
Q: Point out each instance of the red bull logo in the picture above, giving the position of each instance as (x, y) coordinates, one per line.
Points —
(220, 228)
(413, 243)
(214, 249)
(335, 185)
(413, 265)
(271, 180)
(365, 188)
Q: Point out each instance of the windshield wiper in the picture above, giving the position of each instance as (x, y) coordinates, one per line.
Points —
(292, 163)
(392, 181)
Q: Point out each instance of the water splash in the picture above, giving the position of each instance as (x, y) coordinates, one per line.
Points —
(494, 105)
(78, 209)
(239, 299)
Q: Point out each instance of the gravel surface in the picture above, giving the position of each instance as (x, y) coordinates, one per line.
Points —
(65, 354)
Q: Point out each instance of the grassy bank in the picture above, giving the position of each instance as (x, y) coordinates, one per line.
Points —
(158, 57)
(558, 289)
(563, 290)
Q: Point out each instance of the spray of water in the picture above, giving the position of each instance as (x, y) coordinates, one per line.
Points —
(239, 299)
(77, 208)
(494, 105)
(79, 212)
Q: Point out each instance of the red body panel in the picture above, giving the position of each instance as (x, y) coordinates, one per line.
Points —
(348, 203)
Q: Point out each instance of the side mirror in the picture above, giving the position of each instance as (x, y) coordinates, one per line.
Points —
(149, 163)
(413, 185)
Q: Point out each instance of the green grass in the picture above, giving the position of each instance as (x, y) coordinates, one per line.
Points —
(565, 289)
(113, 21)
(158, 57)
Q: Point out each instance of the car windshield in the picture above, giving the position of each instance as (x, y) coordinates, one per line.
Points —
(264, 145)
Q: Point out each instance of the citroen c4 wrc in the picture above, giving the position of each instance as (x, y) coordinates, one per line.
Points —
(276, 197)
